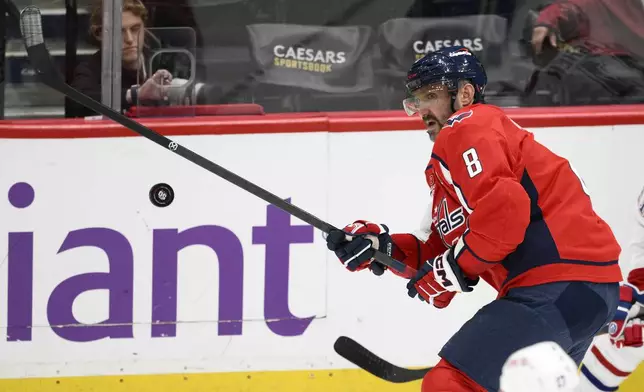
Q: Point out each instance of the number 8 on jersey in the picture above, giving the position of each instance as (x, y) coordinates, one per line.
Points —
(472, 162)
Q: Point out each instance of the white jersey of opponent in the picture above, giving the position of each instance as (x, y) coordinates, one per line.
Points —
(545, 367)
(605, 367)
(637, 241)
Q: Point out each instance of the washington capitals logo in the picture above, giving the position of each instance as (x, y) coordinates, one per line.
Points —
(448, 221)
(458, 118)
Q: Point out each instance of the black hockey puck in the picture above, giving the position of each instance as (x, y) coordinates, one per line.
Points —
(161, 195)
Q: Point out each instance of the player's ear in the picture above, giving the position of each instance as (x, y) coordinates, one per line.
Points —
(466, 94)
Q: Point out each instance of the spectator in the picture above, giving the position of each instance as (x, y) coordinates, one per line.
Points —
(87, 75)
(603, 27)
(591, 51)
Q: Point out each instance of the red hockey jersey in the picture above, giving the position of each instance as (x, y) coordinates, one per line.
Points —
(516, 213)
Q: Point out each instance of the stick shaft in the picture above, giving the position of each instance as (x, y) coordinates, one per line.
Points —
(41, 60)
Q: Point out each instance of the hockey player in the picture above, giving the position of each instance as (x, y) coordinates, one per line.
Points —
(613, 357)
(544, 367)
(504, 209)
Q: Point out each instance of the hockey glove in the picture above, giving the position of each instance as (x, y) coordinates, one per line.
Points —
(438, 278)
(632, 335)
(355, 245)
(626, 330)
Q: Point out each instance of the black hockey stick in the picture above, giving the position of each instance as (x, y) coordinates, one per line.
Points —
(40, 59)
(360, 356)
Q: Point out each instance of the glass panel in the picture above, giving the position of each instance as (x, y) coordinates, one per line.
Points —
(338, 55)
(24, 97)
(170, 87)
(586, 53)
(125, 46)
(274, 60)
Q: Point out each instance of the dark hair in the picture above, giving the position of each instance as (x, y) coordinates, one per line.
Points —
(136, 7)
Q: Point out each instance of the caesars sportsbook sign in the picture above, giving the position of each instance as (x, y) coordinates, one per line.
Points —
(307, 59)
(405, 40)
(329, 59)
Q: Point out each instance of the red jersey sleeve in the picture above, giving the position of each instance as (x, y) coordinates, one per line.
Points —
(478, 162)
(413, 251)
(422, 245)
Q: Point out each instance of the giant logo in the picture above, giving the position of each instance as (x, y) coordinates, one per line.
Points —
(22, 260)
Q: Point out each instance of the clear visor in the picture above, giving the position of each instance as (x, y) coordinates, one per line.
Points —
(423, 98)
(411, 105)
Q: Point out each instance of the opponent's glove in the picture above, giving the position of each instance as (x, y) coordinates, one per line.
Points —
(439, 279)
(355, 245)
(626, 330)
(631, 335)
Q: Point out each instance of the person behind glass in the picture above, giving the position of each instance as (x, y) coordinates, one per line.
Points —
(87, 75)
(604, 39)
(604, 27)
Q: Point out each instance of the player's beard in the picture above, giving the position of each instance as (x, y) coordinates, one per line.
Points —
(435, 125)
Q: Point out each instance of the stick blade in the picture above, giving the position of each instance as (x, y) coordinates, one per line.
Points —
(31, 26)
(32, 35)
(357, 354)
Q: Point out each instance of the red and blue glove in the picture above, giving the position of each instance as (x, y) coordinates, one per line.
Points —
(355, 245)
(439, 279)
(626, 328)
